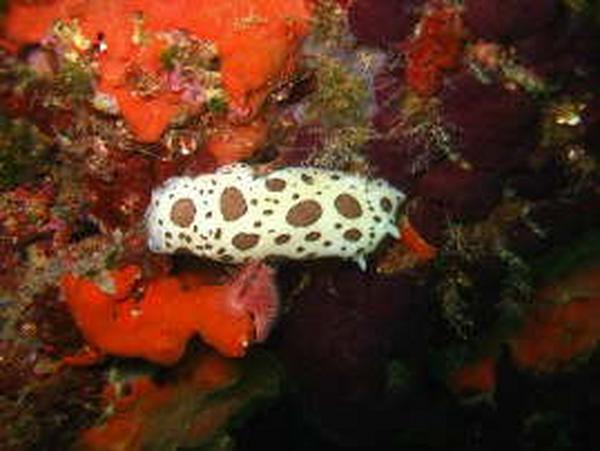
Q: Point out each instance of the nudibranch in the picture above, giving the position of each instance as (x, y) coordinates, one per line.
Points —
(237, 215)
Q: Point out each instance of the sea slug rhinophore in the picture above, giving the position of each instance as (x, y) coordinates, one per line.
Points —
(235, 215)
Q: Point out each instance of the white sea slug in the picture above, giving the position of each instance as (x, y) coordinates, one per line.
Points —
(235, 215)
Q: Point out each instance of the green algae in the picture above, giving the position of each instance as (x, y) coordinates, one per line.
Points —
(329, 24)
(195, 414)
(580, 252)
(341, 95)
(217, 105)
(74, 80)
(24, 152)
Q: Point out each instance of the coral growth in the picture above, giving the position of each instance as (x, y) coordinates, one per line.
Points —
(27, 216)
(436, 48)
(484, 113)
(336, 341)
(492, 125)
(564, 324)
(233, 142)
(117, 186)
(463, 193)
(42, 404)
(51, 411)
(383, 22)
(194, 406)
(129, 43)
(24, 152)
(26, 211)
(508, 19)
(156, 319)
(475, 377)
(558, 332)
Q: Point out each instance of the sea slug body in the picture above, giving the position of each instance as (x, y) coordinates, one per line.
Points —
(235, 215)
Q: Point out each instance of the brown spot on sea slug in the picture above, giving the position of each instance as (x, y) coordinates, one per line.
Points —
(304, 213)
(275, 184)
(348, 206)
(312, 236)
(282, 239)
(233, 205)
(352, 235)
(307, 179)
(183, 212)
(244, 241)
(386, 204)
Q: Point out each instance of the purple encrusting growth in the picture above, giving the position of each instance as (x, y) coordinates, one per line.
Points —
(383, 22)
(492, 126)
(509, 19)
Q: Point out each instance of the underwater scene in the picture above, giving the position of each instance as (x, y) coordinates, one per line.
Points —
(243, 225)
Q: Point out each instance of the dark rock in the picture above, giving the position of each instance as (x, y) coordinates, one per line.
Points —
(509, 19)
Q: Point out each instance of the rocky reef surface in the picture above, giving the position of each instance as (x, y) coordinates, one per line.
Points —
(478, 328)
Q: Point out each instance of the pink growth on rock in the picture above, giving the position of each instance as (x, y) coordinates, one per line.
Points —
(255, 294)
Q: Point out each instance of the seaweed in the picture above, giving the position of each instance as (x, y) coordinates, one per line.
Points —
(196, 405)
(24, 152)
(583, 251)
(51, 410)
(330, 24)
(341, 95)
(478, 274)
